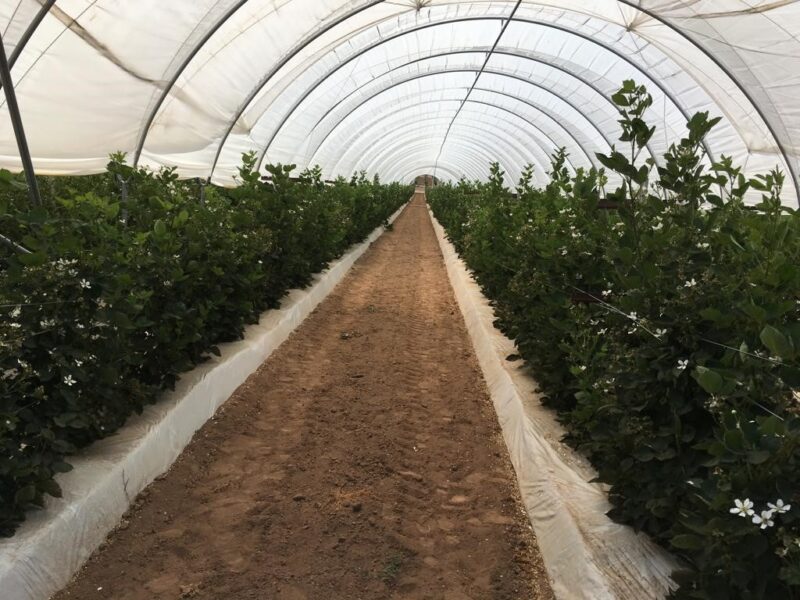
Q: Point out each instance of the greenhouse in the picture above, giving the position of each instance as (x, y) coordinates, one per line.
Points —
(400, 299)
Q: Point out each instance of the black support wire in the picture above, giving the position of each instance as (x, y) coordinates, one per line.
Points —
(474, 83)
(19, 129)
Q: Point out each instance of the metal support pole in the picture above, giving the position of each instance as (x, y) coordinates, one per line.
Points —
(123, 192)
(32, 27)
(13, 245)
(202, 183)
(19, 130)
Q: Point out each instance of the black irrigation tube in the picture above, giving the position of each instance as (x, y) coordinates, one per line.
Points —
(494, 72)
(425, 26)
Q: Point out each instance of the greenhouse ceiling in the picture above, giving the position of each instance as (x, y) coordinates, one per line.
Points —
(394, 88)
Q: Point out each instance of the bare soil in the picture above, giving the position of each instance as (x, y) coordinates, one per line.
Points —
(363, 460)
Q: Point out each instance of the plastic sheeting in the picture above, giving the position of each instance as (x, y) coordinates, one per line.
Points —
(194, 83)
(587, 556)
(53, 544)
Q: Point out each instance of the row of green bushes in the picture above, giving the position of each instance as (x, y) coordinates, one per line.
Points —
(662, 322)
(116, 299)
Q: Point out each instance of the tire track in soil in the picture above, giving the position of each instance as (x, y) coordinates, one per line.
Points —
(363, 460)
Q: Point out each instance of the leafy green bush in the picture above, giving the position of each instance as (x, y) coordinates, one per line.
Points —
(662, 321)
(116, 299)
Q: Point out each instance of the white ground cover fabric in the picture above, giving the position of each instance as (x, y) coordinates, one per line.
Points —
(587, 556)
(53, 544)
(378, 85)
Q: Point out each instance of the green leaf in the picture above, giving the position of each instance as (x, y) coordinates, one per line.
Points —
(777, 343)
(711, 381)
(25, 494)
(687, 541)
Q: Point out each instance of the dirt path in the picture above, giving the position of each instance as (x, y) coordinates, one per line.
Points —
(362, 461)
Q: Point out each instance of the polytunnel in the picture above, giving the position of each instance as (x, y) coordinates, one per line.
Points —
(306, 82)
(400, 298)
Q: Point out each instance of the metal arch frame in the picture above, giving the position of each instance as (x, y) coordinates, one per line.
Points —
(151, 117)
(474, 158)
(425, 26)
(471, 152)
(448, 170)
(413, 136)
(28, 34)
(466, 135)
(792, 171)
(471, 157)
(508, 152)
(350, 143)
(479, 165)
(404, 175)
(422, 163)
(636, 6)
(531, 135)
(558, 96)
(6, 64)
(381, 148)
(501, 73)
(538, 110)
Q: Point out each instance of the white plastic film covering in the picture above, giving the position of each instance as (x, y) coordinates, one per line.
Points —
(54, 543)
(195, 83)
(587, 555)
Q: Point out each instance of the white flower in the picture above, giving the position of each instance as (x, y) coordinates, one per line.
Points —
(602, 331)
(743, 508)
(682, 364)
(661, 332)
(15, 325)
(633, 316)
(10, 374)
(690, 284)
(606, 293)
(563, 252)
(22, 446)
(85, 284)
(779, 506)
(14, 314)
(764, 519)
(78, 362)
(68, 380)
(47, 323)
